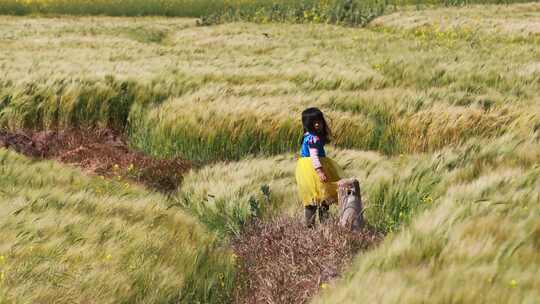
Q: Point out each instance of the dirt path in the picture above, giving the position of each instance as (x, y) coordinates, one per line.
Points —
(102, 152)
(282, 261)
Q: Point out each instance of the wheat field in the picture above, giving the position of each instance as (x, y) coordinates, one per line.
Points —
(380, 86)
(436, 111)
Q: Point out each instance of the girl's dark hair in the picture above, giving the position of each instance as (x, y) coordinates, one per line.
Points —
(309, 116)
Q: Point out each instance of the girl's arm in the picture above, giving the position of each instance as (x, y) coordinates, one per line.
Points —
(314, 154)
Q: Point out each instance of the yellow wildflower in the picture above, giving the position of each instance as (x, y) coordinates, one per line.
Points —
(427, 199)
(324, 286)
(513, 283)
(221, 279)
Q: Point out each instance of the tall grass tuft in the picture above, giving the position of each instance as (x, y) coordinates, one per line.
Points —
(79, 102)
(225, 196)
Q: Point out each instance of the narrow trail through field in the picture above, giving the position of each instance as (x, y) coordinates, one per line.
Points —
(103, 152)
(282, 261)
(279, 260)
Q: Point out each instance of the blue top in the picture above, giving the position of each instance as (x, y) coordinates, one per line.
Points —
(312, 141)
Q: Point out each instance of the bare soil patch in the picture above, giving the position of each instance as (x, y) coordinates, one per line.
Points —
(282, 261)
(103, 152)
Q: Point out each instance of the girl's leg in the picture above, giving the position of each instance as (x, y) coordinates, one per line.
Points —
(310, 213)
(323, 213)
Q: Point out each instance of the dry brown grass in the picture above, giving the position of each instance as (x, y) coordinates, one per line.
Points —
(282, 261)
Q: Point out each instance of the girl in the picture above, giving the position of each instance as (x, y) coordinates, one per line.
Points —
(316, 174)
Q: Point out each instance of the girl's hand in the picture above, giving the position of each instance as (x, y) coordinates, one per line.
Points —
(322, 176)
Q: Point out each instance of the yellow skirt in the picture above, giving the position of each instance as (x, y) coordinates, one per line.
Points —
(310, 188)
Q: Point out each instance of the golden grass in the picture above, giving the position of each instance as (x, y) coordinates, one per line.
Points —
(379, 87)
(69, 238)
